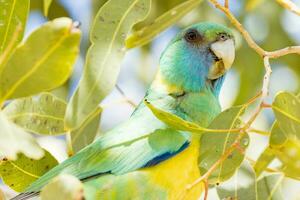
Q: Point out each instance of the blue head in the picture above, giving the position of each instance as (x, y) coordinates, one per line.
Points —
(198, 57)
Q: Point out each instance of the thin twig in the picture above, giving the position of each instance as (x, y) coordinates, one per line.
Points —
(226, 4)
(129, 101)
(260, 132)
(205, 190)
(289, 5)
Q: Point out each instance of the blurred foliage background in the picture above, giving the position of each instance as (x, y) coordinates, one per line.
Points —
(270, 25)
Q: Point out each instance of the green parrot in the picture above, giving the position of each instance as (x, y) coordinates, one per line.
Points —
(144, 158)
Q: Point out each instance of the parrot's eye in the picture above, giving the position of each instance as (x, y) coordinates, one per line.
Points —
(223, 36)
(192, 36)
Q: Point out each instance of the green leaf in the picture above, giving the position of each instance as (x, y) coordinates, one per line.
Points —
(173, 120)
(263, 161)
(252, 4)
(244, 185)
(37, 66)
(14, 140)
(289, 154)
(86, 134)
(42, 115)
(286, 107)
(19, 174)
(111, 25)
(13, 16)
(46, 6)
(285, 149)
(277, 137)
(68, 187)
(147, 33)
(213, 146)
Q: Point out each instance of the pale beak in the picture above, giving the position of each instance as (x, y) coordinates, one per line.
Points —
(225, 52)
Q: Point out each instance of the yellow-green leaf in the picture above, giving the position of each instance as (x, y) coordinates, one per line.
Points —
(277, 137)
(46, 6)
(111, 25)
(86, 134)
(63, 187)
(147, 33)
(14, 140)
(287, 150)
(289, 154)
(173, 120)
(244, 185)
(13, 16)
(213, 146)
(263, 161)
(252, 4)
(19, 174)
(286, 107)
(37, 66)
(42, 115)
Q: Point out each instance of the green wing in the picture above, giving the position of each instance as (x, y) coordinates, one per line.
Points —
(126, 148)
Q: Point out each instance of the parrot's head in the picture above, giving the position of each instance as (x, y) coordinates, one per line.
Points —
(198, 57)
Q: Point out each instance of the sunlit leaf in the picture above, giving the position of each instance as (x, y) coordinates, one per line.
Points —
(213, 146)
(37, 66)
(19, 174)
(147, 33)
(14, 140)
(173, 120)
(244, 185)
(63, 187)
(46, 6)
(85, 134)
(289, 154)
(286, 107)
(287, 150)
(277, 137)
(57, 9)
(13, 16)
(110, 28)
(41, 115)
(265, 158)
(252, 4)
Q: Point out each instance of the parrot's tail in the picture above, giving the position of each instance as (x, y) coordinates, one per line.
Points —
(26, 195)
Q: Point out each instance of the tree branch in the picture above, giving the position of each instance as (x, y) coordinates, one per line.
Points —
(289, 5)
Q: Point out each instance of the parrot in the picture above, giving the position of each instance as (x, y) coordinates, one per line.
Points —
(143, 157)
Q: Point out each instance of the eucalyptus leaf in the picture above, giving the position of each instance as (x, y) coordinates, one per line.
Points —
(277, 137)
(147, 33)
(265, 158)
(213, 146)
(110, 27)
(42, 115)
(289, 154)
(63, 187)
(37, 66)
(286, 107)
(46, 6)
(19, 174)
(173, 120)
(13, 16)
(86, 134)
(14, 140)
(244, 185)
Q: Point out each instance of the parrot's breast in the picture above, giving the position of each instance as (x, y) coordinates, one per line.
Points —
(176, 173)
